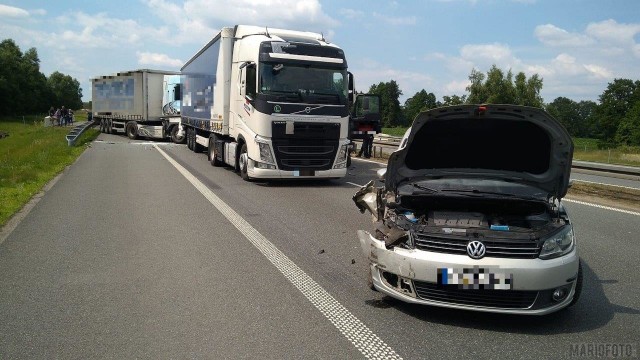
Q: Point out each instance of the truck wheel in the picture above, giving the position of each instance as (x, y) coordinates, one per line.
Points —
(243, 163)
(111, 129)
(188, 136)
(212, 152)
(197, 148)
(132, 130)
(174, 135)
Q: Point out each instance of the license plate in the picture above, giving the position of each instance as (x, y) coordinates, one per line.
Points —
(475, 278)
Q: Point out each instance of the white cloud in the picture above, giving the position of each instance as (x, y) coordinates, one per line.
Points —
(194, 24)
(396, 20)
(598, 71)
(456, 87)
(369, 72)
(611, 31)
(41, 12)
(11, 11)
(351, 13)
(554, 36)
(148, 58)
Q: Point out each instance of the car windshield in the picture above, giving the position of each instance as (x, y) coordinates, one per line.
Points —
(307, 83)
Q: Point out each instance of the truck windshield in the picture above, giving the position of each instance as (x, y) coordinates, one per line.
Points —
(300, 83)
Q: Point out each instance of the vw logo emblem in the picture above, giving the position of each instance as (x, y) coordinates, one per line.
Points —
(307, 109)
(475, 249)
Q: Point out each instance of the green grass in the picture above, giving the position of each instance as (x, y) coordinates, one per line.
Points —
(585, 149)
(394, 131)
(31, 156)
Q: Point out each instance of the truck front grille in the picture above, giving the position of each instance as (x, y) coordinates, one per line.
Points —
(505, 299)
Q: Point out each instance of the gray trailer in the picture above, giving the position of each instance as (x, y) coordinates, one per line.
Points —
(138, 103)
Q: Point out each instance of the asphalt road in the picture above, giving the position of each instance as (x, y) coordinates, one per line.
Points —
(125, 258)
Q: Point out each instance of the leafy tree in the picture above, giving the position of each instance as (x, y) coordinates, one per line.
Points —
(389, 93)
(586, 111)
(453, 100)
(566, 111)
(628, 132)
(619, 97)
(500, 88)
(66, 90)
(417, 103)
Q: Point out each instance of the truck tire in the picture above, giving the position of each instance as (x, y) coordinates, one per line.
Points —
(243, 163)
(111, 129)
(197, 148)
(102, 126)
(188, 137)
(174, 135)
(212, 154)
(132, 130)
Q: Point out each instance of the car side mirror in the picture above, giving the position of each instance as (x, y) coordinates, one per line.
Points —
(381, 174)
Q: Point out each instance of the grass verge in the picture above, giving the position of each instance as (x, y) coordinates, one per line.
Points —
(30, 156)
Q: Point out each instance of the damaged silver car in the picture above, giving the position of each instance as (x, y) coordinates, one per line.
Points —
(470, 214)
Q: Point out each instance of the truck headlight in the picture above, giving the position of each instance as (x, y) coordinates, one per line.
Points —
(558, 244)
(265, 153)
(342, 154)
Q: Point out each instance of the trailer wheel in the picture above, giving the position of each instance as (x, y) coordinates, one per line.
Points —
(110, 127)
(213, 155)
(132, 130)
(197, 148)
(188, 137)
(174, 135)
(243, 163)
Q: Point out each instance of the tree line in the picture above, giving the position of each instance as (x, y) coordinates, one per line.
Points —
(613, 120)
(24, 90)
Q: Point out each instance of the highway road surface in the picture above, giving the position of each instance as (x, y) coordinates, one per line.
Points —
(144, 250)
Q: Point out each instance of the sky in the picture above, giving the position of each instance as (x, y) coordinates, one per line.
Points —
(576, 46)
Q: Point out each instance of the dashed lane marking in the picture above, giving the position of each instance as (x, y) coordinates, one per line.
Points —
(368, 343)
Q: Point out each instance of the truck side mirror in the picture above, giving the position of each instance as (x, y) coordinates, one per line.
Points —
(352, 93)
(177, 93)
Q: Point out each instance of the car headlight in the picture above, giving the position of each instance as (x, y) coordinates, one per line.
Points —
(265, 153)
(558, 244)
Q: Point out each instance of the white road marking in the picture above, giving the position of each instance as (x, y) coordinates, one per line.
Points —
(602, 207)
(597, 183)
(354, 184)
(369, 161)
(368, 343)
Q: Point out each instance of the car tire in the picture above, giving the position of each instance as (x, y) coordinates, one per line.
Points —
(243, 163)
(174, 135)
(212, 155)
(132, 130)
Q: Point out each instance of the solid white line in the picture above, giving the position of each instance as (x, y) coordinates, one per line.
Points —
(369, 161)
(354, 184)
(368, 343)
(597, 183)
(602, 207)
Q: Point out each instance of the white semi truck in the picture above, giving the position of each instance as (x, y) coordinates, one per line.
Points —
(139, 103)
(271, 103)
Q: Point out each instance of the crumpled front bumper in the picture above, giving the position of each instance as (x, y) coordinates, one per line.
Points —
(535, 277)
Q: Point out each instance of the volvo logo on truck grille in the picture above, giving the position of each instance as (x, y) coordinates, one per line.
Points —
(475, 249)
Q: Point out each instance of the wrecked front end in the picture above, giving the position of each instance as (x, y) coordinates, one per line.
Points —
(492, 255)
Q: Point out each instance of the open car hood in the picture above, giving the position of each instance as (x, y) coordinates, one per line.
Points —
(504, 142)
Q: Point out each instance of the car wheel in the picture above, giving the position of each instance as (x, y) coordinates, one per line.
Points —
(212, 152)
(189, 141)
(132, 130)
(243, 163)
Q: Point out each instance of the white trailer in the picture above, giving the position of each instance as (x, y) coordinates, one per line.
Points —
(138, 103)
(271, 103)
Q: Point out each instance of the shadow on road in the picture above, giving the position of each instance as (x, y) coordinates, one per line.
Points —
(593, 310)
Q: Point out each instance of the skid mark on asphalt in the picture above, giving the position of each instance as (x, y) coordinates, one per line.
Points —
(368, 343)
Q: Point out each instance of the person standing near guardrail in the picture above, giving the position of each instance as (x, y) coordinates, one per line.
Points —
(64, 114)
(367, 144)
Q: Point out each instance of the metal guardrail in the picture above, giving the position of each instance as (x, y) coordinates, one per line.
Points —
(75, 133)
(388, 143)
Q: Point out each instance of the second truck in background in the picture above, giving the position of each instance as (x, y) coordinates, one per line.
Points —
(138, 103)
(271, 103)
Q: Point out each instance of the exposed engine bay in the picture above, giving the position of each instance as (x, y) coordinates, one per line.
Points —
(399, 220)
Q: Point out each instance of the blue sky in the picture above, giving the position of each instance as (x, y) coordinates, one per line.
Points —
(576, 46)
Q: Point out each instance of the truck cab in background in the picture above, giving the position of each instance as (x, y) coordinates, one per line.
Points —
(271, 103)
